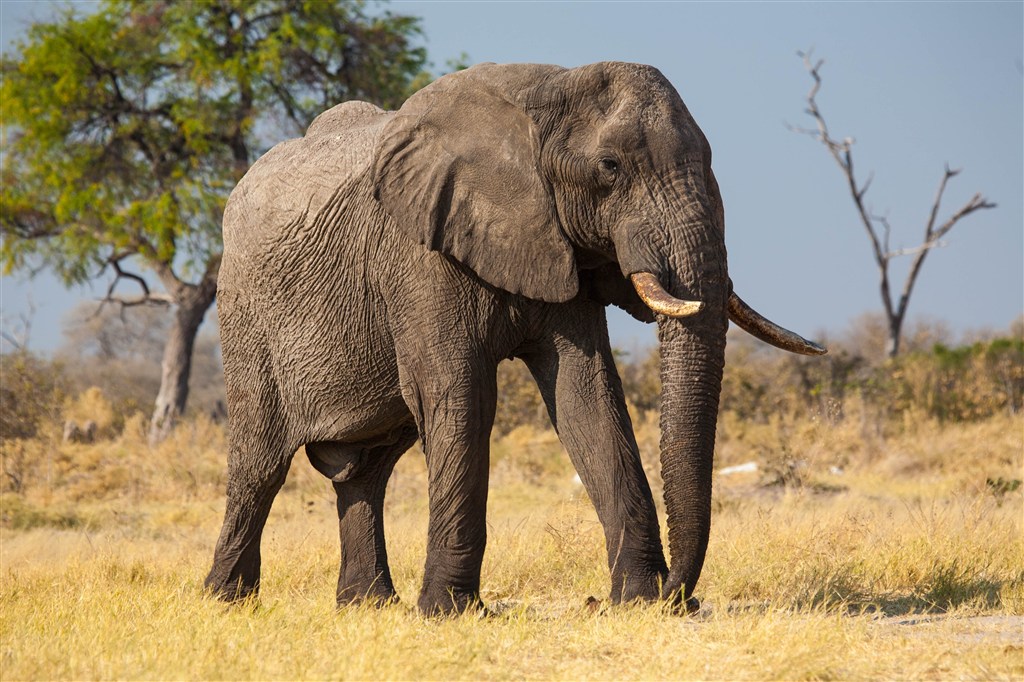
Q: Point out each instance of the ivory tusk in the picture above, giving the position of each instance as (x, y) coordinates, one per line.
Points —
(660, 301)
(754, 324)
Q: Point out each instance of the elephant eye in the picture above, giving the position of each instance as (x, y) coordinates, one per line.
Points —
(610, 165)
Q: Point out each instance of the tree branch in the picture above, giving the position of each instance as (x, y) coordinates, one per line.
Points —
(887, 232)
(918, 249)
(932, 236)
(975, 203)
(174, 284)
(842, 153)
(146, 298)
(18, 339)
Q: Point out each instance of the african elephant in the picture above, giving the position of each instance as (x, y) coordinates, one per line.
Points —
(377, 270)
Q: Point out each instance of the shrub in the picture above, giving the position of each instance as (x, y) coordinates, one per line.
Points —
(519, 400)
(92, 405)
(31, 392)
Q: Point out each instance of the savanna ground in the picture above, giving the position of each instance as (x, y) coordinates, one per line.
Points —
(850, 552)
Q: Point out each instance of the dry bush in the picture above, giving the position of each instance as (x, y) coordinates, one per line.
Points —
(964, 383)
(92, 405)
(31, 393)
(119, 465)
(641, 378)
(945, 382)
(529, 454)
(867, 336)
(120, 351)
(519, 400)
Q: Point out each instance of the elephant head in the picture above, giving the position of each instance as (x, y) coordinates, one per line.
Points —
(554, 183)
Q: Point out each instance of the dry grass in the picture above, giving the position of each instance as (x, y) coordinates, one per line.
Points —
(848, 554)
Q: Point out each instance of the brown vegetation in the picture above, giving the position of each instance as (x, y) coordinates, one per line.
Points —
(934, 378)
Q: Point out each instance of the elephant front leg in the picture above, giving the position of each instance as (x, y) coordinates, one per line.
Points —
(456, 423)
(583, 394)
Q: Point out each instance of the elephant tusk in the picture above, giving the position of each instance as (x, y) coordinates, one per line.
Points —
(660, 301)
(753, 323)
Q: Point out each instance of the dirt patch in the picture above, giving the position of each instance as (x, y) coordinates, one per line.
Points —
(1008, 630)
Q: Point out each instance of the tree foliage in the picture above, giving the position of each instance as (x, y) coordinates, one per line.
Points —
(125, 130)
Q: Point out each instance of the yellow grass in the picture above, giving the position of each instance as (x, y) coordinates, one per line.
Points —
(904, 563)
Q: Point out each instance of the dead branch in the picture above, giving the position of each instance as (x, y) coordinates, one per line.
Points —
(932, 236)
(19, 337)
(917, 249)
(17, 343)
(975, 203)
(842, 153)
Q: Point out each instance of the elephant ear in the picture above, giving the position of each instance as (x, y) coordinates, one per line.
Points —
(457, 170)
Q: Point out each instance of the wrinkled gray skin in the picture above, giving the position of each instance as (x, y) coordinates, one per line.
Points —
(377, 270)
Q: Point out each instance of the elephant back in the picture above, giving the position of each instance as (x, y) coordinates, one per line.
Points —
(343, 117)
(276, 204)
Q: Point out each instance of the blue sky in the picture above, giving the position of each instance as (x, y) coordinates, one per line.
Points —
(917, 84)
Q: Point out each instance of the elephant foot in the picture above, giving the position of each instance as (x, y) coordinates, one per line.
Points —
(230, 590)
(632, 588)
(648, 588)
(377, 594)
(680, 607)
(449, 603)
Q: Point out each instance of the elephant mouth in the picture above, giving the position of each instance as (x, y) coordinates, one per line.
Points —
(654, 296)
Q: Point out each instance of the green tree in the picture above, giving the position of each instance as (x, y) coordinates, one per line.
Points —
(125, 130)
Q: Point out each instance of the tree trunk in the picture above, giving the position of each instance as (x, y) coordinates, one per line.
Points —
(192, 305)
(892, 347)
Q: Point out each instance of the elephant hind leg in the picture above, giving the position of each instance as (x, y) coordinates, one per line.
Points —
(365, 574)
(258, 462)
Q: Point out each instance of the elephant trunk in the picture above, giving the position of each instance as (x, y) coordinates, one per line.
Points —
(680, 272)
(684, 266)
(692, 357)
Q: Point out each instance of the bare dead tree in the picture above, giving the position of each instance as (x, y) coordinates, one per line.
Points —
(877, 227)
(18, 333)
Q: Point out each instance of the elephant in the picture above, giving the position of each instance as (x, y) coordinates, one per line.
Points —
(377, 270)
